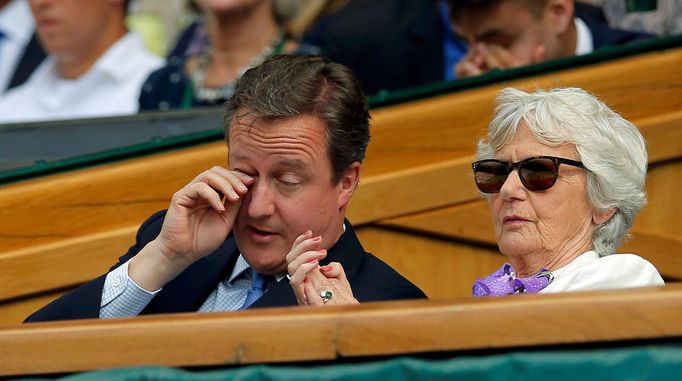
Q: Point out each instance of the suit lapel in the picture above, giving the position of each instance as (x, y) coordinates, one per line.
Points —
(189, 290)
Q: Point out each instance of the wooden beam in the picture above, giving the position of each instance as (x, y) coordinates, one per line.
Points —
(62, 264)
(372, 329)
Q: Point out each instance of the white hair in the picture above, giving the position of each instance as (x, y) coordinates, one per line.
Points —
(611, 148)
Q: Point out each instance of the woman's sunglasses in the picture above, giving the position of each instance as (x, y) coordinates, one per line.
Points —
(536, 173)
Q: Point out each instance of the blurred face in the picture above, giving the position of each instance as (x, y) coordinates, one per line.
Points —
(293, 191)
(512, 25)
(66, 26)
(547, 228)
(226, 6)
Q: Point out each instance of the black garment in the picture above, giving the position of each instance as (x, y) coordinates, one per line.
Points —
(170, 88)
(31, 58)
(602, 34)
(389, 44)
(370, 279)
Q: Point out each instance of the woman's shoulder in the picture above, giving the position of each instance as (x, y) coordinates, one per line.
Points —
(628, 263)
(609, 272)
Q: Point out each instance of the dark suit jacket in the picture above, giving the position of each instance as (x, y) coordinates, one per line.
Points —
(602, 34)
(389, 44)
(370, 278)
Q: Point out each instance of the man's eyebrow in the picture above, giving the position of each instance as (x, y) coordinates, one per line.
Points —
(491, 34)
(292, 164)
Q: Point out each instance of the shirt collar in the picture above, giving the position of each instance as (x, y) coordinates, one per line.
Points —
(114, 62)
(241, 270)
(584, 41)
(241, 266)
(16, 21)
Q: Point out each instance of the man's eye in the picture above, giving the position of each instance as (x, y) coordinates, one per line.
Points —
(288, 182)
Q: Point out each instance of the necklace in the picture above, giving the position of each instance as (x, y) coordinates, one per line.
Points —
(213, 95)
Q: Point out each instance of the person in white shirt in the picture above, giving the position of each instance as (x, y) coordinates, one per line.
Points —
(504, 34)
(95, 66)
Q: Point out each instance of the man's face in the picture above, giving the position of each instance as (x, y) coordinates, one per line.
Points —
(293, 189)
(67, 26)
(511, 25)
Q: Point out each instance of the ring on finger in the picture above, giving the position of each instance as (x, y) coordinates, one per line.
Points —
(326, 296)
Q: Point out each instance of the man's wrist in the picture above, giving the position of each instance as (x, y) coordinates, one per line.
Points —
(151, 269)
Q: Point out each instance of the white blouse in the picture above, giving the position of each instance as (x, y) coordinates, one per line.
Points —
(590, 272)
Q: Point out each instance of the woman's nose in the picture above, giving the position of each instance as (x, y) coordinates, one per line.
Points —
(513, 187)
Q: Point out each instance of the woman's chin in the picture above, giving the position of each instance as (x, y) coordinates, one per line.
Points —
(515, 249)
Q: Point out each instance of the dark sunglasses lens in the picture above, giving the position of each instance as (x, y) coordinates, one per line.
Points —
(538, 174)
(490, 176)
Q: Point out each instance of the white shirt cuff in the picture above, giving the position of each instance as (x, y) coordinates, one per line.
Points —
(121, 296)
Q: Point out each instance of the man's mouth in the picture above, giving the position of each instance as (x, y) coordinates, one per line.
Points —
(262, 235)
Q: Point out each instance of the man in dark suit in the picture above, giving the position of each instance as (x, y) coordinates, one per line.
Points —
(390, 44)
(505, 34)
(297, 129)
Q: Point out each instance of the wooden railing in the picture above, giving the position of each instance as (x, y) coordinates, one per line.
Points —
(416, 207)
(373, 329)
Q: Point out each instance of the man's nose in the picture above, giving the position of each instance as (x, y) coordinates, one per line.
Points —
(260, 200)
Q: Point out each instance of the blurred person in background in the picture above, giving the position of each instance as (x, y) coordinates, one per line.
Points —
(390, 44)
(504, 34)
(95, 65)
(20, 51)
(233, 36)
(659, 17)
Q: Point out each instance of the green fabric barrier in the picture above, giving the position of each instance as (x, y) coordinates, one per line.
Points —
(653, 363)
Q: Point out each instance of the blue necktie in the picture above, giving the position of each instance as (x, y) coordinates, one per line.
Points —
(258, 284)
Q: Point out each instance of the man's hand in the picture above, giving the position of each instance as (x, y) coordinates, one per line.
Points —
(198, 220)
(482, 58)
(309, 281)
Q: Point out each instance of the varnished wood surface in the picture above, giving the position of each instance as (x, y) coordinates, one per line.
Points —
(372, 329)
(61, 230)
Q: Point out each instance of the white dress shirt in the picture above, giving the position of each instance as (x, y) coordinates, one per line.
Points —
(110, 87)
(590, 272)
(17, 24)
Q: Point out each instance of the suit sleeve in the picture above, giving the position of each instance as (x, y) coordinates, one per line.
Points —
(84, 302)
(379, 282)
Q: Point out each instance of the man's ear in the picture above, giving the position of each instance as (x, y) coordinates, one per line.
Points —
(348, 183)
(559, 13)
(602, 216)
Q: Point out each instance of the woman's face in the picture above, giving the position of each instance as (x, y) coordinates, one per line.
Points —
(547, 228)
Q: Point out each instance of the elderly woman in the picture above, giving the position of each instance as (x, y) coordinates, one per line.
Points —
(564, 177)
